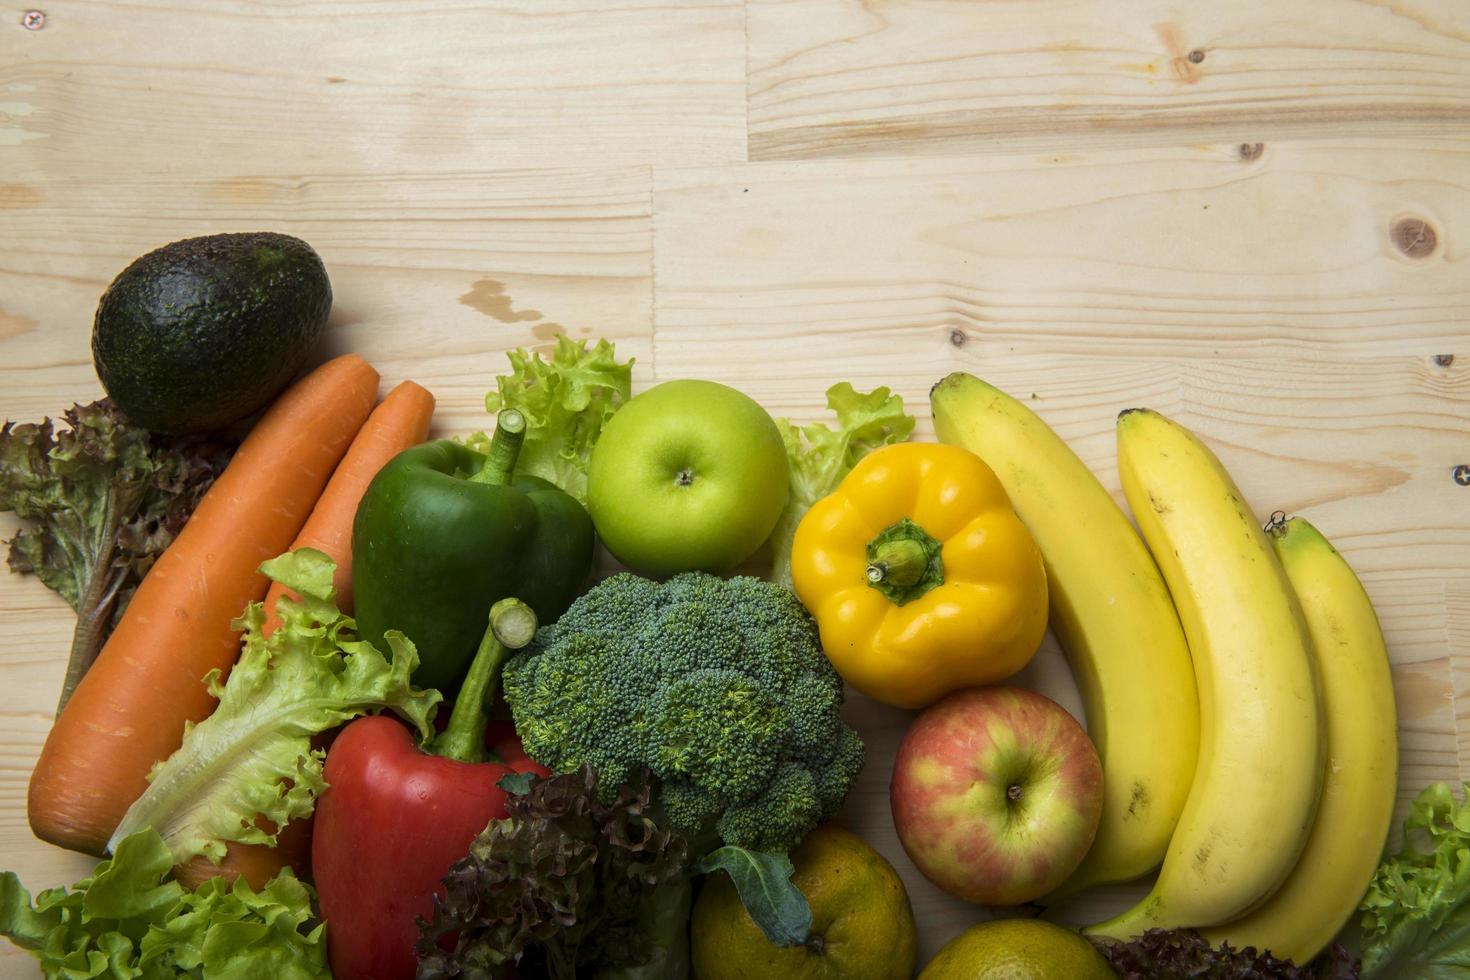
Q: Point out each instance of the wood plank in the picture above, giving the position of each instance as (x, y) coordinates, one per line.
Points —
(33, 646)
(833, 78)
(359, 87)
(1457, 629)
(1185, 252)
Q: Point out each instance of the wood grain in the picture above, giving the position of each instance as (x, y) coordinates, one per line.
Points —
(1264, 239)
(1187, 252)
(834, 78)
(239, 87)
(433, 278)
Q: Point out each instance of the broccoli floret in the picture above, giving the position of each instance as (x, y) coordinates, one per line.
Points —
(718, 686)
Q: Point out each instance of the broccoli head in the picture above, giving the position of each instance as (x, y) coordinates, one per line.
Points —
(717, 686)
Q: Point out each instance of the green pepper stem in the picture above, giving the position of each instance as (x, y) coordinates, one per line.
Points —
(512, 624)
(505, 447)
(900, 562)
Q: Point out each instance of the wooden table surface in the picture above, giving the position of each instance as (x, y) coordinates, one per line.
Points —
(1244, 214)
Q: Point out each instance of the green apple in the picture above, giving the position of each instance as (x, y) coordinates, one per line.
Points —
(688, 475)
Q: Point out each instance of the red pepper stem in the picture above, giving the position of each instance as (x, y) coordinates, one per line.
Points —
(505, 447)
(512, 624)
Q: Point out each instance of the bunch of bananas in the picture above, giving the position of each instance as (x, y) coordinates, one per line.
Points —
(1236, 683)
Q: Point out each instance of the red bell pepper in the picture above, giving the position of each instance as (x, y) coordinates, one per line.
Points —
(394, 818)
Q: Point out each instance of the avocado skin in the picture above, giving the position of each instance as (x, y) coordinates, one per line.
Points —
(201, 333)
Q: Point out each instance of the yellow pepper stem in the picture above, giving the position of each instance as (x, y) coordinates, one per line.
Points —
(900, 563)
(904, 562)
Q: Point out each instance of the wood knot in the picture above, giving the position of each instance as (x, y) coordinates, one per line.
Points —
(1252, 151)
(1443, 360)
(957, 338)
(1414, 237)
(1196, 56)
(1461, 475)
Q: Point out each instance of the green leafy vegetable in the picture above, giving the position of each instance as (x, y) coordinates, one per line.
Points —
(1416, 914)
(718, 686)
(517, 783)
(253, 755)
(763, 880)
(565, 886)
(129, 919)
(1173, 954)
(566, 400)
(104, 498)
(819, 457)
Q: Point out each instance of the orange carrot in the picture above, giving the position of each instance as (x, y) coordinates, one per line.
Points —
(402, 420)
(256, 863)
(130, 708)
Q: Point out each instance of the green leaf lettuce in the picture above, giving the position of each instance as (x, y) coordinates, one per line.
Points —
(253, 755)
(818, 457)
(1416, 915)
(130, 920)
(566, 401)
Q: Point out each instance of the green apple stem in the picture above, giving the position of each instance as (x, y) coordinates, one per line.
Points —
(904, 562)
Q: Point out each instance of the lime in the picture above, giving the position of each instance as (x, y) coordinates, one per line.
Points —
(1018, 949)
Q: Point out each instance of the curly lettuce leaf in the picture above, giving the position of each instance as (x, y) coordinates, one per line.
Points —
(564, 887)
(567, 401)
(130, 920)
(1169, 954)
(818, 457)
(101, 498)
(1416, 913)
(253, 756)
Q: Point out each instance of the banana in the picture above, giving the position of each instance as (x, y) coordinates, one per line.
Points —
(1255, 789)
(1113, 615)
(1362, 750)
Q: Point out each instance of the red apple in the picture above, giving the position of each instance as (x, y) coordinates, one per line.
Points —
(996, 794)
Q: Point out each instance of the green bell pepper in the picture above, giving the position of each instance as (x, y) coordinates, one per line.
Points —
(443, 533)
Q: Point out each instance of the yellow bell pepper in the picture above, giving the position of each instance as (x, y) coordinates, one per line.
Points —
(921, 577)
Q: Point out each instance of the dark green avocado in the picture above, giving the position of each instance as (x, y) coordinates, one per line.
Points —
(200, 334)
